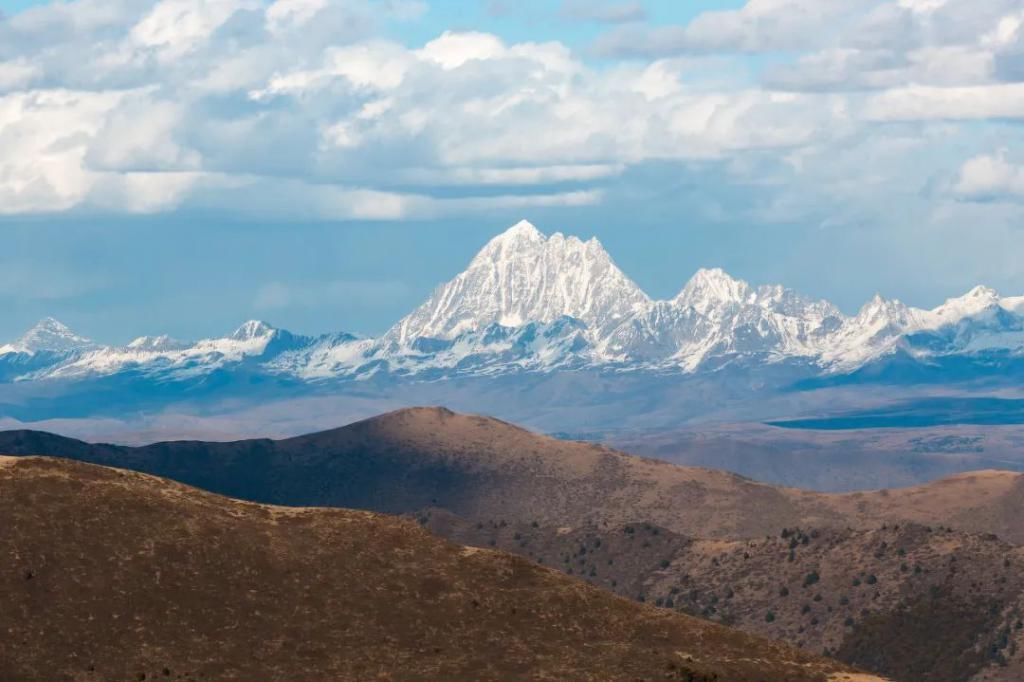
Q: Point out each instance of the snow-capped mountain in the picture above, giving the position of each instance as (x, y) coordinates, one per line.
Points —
(522, 277)
(47, 336)
(532, 303)
(161, 356)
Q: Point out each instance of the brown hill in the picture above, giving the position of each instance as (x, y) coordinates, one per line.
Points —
(481, 468)
(907, 601)
(115, 575)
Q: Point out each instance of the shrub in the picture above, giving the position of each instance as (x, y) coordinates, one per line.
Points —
(784, 591)
(811, 578)
(664, 563)
(872, 579)
(769, 617)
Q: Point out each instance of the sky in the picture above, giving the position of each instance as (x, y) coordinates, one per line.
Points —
(180, 166)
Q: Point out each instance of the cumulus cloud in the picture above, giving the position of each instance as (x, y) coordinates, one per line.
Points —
(758, 26)
(303, 109)
(990, 176)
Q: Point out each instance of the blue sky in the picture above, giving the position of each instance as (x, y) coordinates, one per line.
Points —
(183, 165)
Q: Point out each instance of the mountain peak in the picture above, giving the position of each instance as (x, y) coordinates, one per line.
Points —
(975, 301)
(524, 229)
(982, 292)
(711, 287)
(253, 329)
(50, 334)
(883, 310)
(157, 344)
(521, 276)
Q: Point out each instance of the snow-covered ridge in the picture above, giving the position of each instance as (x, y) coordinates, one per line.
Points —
(520, 277)
(48, 335)
(536, 303)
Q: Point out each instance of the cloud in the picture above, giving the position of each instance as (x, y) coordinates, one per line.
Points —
(176, 27)
(603, 12)
(990, 177)
(918, 103)
(759, 26)
(302, 109)
(17, 73)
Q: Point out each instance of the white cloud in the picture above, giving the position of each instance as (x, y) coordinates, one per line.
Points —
(990, 176)
(759, 26)
(452, 49)
(291, 14)
(177, 27)
(916, 103)
(299, 108)
(44, 136)
(17, 73)
(521, 175)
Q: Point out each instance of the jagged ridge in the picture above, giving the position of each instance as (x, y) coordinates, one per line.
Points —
(528, 302)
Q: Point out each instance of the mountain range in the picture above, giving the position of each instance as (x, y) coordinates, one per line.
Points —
(532, 303)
